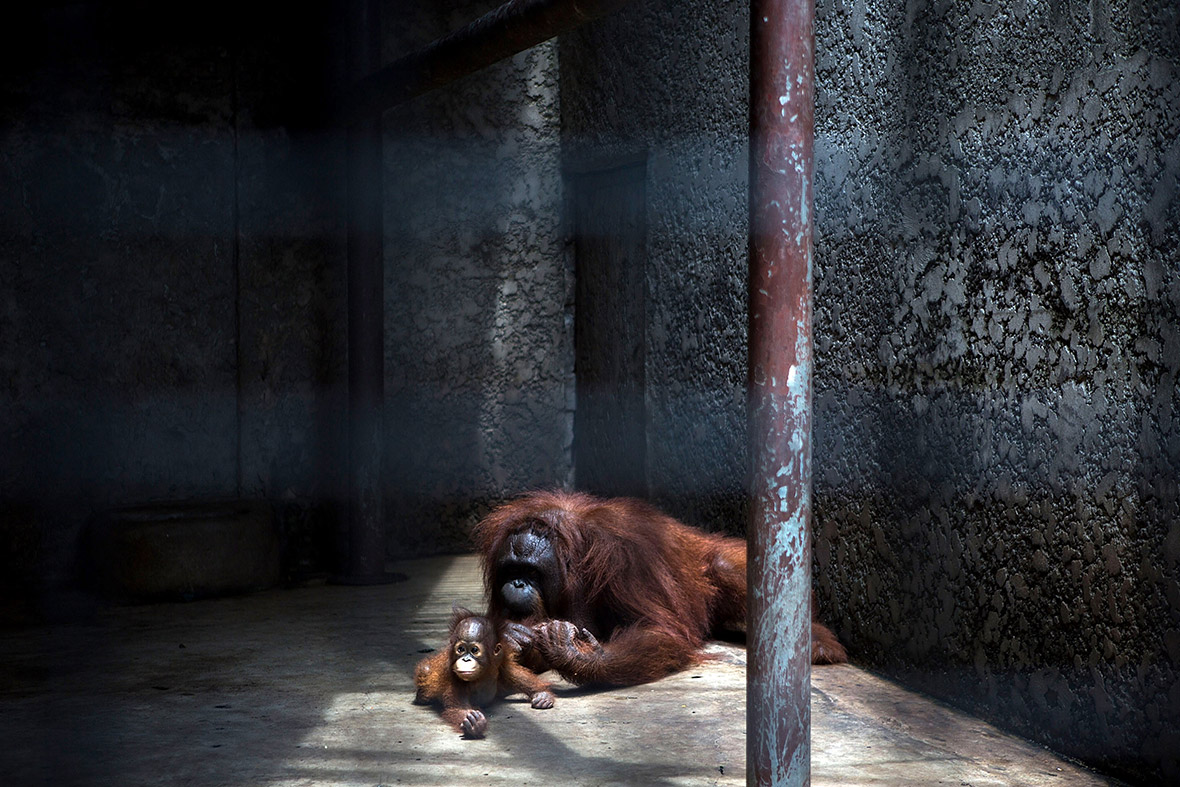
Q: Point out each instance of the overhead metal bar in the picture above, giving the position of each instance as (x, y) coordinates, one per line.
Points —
(513, 27)
(778, 677)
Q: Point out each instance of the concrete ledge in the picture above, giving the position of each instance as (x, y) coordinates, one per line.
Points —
(183, 550)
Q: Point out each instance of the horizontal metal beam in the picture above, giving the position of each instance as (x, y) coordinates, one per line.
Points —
(513, 27)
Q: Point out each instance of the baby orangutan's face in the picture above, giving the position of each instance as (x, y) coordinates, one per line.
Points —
(472, 649)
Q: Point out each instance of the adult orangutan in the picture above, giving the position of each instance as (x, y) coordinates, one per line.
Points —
(472, 671)
(613, 591)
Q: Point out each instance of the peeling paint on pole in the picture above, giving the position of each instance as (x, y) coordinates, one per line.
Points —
(778, 710)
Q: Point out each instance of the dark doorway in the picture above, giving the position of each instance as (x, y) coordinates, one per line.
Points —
(610, 435)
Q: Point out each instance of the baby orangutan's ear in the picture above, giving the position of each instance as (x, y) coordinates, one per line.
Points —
(498, 649)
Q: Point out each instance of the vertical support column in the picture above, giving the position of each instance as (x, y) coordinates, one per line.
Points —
(365, 558)
(778, 709)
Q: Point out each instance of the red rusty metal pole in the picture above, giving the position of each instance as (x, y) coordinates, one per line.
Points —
(778, 709)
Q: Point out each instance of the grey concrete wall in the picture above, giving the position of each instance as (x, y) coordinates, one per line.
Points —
(997, 345)
(292, 281)
(173, 299)
(479, 353)
(668, 81)
(997, 341)
(170, 267)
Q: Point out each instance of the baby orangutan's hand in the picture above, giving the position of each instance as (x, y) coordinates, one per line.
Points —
(475, 725)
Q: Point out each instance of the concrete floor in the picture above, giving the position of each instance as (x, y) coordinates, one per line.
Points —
(313, 687)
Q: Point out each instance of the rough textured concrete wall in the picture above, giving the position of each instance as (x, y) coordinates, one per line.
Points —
(997, 287)
(117, 329)
(479, 358)
(165, 242)
(997, 345)
(670, 81)
(292, 279)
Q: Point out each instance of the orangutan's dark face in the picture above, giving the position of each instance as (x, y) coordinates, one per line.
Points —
(527, 574)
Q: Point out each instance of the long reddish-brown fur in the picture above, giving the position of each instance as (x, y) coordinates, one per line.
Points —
(649, 587)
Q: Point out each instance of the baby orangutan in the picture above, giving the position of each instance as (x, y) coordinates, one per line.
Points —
(472, 671)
